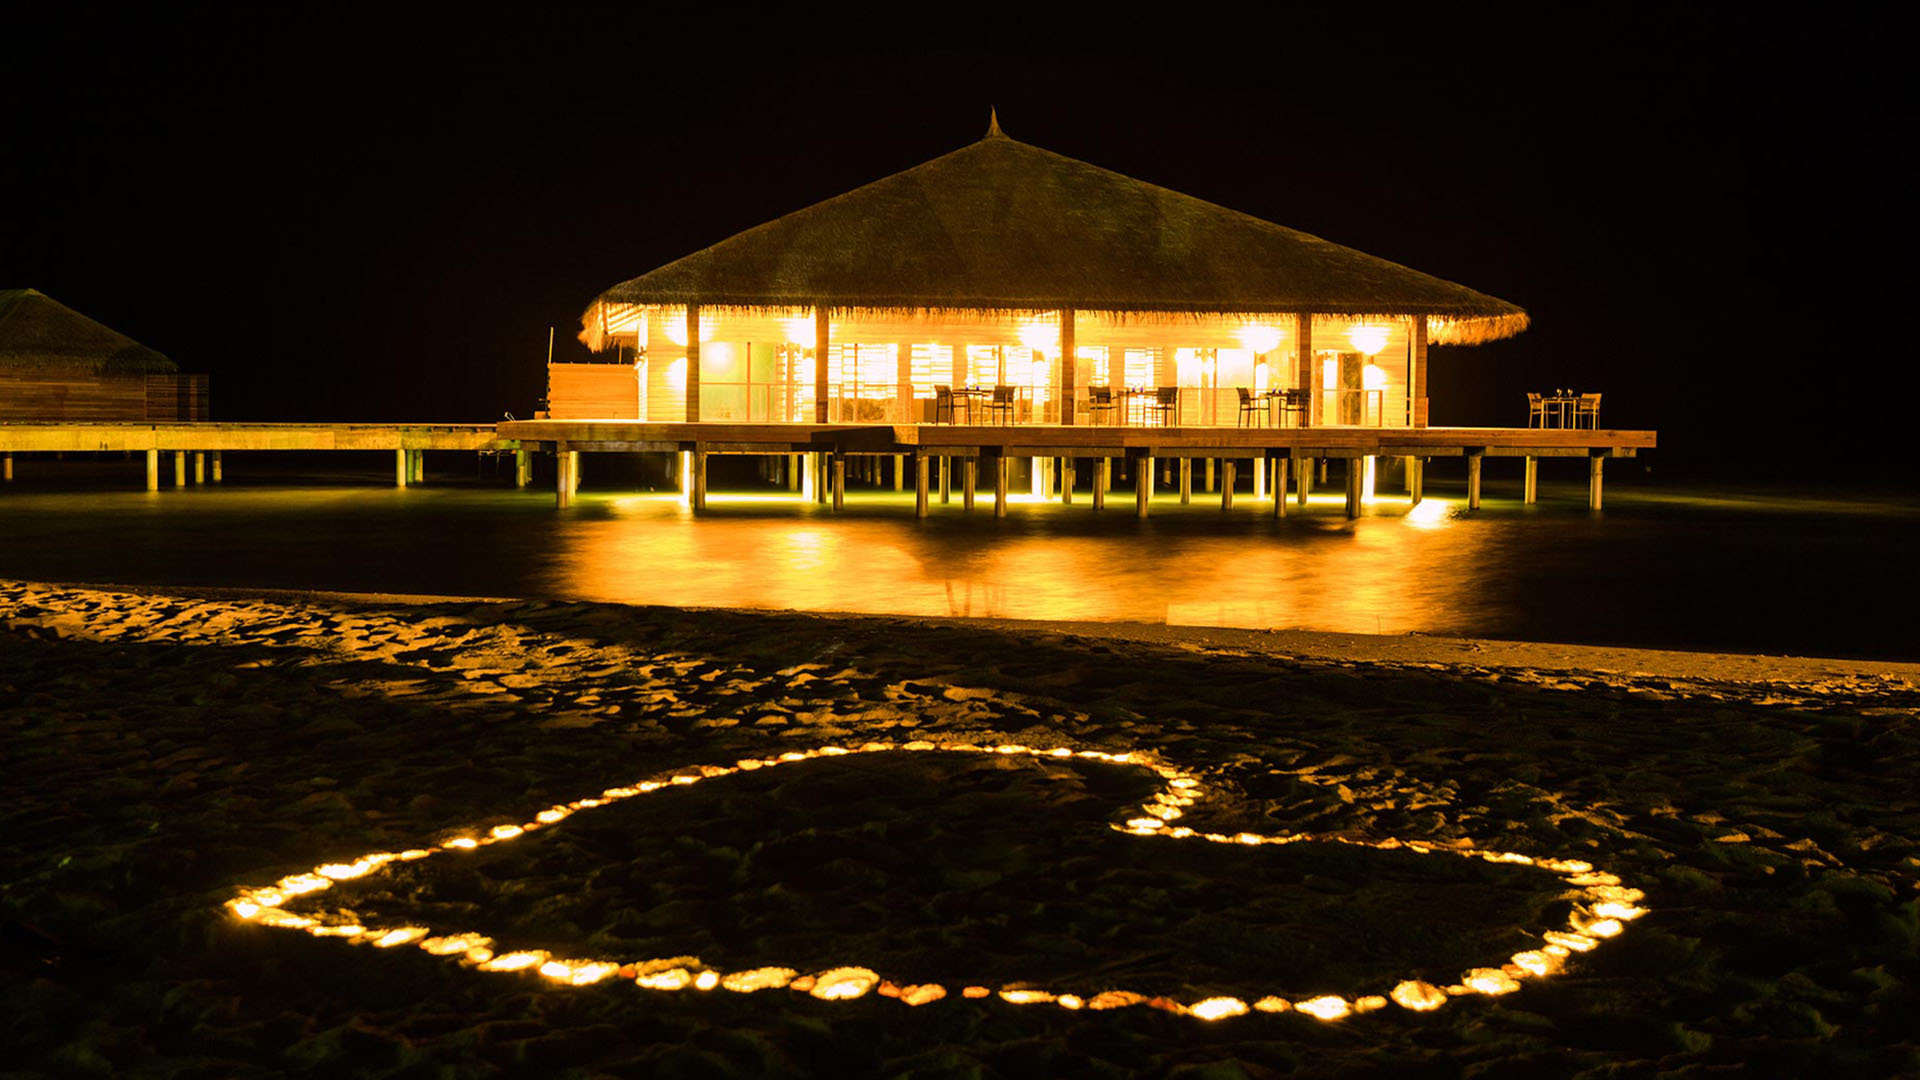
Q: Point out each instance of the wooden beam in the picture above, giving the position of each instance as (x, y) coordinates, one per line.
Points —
(1531, 493)
(1473, 480)
(693, 363)
(1069, 364)
(1306, 379)
(820, 343)
(1417, 379)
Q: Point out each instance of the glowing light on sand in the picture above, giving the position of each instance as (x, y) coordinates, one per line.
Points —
(1600, 910)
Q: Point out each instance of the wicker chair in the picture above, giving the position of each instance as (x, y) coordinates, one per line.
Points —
(1099, 400)
(1536, 411)
(1251, 408)
(1001, 404)
(942, 404)
(1586, 411)
(1166, 401)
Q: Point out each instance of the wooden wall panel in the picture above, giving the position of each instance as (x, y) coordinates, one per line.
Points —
(72, 397)
(178, 397)
(593, 392)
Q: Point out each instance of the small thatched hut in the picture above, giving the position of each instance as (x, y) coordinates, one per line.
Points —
(1005, 265)
(57, 364)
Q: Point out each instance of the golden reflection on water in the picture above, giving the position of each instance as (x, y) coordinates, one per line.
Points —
(1389, 572)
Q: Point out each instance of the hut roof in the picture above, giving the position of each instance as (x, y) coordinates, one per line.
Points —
(41, 335)
(1001, 225)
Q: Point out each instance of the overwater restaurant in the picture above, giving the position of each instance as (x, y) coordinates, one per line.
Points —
(1003, 284)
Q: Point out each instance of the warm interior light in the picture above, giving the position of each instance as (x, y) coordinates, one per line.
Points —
(673, 323)
(1368, 338)
(1041, 337)
(802, 332)
(1597, 913)
(1259, 337)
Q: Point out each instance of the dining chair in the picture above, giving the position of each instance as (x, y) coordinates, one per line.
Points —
(1586, 411)
(1536, 411)
(1099, 400)
(942, 404)
(1251, 408)
(1166, 399)
(1001, 404)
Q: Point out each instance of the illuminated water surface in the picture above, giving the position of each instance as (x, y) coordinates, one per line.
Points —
(1658, 568)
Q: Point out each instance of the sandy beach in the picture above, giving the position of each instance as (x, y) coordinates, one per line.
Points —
(166, 747)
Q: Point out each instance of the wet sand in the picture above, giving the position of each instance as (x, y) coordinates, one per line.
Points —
(164, 748)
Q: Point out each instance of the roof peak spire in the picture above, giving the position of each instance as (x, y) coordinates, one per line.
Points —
(993, 124)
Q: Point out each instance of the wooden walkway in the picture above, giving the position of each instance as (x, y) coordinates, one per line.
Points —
(819, 452)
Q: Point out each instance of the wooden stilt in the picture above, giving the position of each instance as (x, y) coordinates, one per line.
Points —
(573, 471)
(1416, 480)
(1532, 493)
(1302, 479)
(1142, 486)
(919, 485)
(900, 471)
(1210, 476)
(1186, 481)
(1473, 480)
(153, 470)
(839, 481)
(218, 474)
(1066, 481)
(946, 480)
(699, 480)
(6, 467)
(1002, 466)
(1226, 483)
(793, 471)
(179, 468)
(403, 469)
(1102, 474)
(1280, 466)
(1259, 480)
(969, 480)
(562, 477)
(199, 467)
(1354, 478)
(1323, 470)
(1407, 465)
(1595, 464)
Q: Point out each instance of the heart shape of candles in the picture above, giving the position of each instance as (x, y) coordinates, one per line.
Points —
(1602, 905)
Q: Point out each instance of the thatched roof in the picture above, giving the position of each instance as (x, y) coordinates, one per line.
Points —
(39, 334)
(1004, 226)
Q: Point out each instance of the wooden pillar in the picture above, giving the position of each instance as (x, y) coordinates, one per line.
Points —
(1226, 483)
(839, 481)
(1069, 368)
(919, 485)
(219, 475)
(1102, 476)
(1142, 486)
(1532, 485)
(900, 472)
(402, 468)
(1066, 481)
(1279, 466)
(946, 479)
(1416, 480)
(1303, 479)
(1595, 462)
(693, 362)
(793, 471)
(179, 468)
(420, 467)
(1354, 476)
(1002, 464)
(1186, 481)
(199, 466)
(153, 470)
(522, 468)
(1306, 379)
(562, 478)
(820, 400)
(1406, 474)
(1259, 482)
(1474, 458)
(969, 480)
(1323, 470)
(6, 467)
(699, 479)
(1417, 377)
(1209, 476)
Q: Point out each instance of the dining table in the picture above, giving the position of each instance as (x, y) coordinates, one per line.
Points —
(964, 396)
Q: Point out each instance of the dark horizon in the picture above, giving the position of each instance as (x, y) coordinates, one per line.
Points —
(350, 219)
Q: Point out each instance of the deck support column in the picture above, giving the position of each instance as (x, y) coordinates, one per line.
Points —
(1416, 480)
(1530, 493)
(900, 472)
(1186, 481)
(1356, 476)
(699, 499)
(6, 467)
(562, 476)
(1066, 481)
(946, 479)
(919, 485)
(1595, 464)
(179, 468)
(419, 466)
(1279, 465)
(153, 470)
(199, 466)
(1210, 476)
(1302, 479)
(1102, 475)
(1002, 466)
(1474, 457)
(793, 471)
(1226, 483)
(969, 480)
(1142, 486)
(522, 468)
(839, 480)
(1407, 465)
(1259, 480)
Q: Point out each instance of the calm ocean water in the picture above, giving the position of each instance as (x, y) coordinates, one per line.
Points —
(1773, 573)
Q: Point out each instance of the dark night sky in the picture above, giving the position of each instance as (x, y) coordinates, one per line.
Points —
(371, 216)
